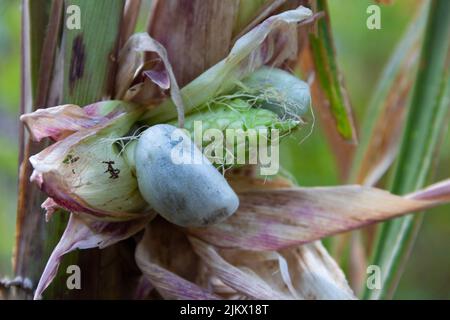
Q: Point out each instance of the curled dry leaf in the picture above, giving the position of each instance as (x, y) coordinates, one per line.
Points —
(249, 284)
(56, 122)
(60, 121)
(166, 259)
(302, 272)
(268, 265)
(85, 233)
(276, 219)
(130, 63)
(314, 273)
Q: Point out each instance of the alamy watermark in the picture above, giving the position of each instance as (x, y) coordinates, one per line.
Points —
(373, 21)
(74, 279)
(73, 19)
(373, 281)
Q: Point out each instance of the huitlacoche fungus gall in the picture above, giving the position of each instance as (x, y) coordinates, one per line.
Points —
(178, 181)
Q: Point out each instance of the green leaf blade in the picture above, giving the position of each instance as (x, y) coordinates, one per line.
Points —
(425, 122)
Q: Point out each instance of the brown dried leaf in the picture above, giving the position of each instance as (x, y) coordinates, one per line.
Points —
(196, 33)
(130, 63)
(85, 233)
(276, 219)
(249, 284)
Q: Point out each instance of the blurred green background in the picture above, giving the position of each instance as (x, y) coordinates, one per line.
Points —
(362, 54)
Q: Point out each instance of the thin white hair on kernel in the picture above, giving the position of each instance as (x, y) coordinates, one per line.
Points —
(313, 122)
(124, 141)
